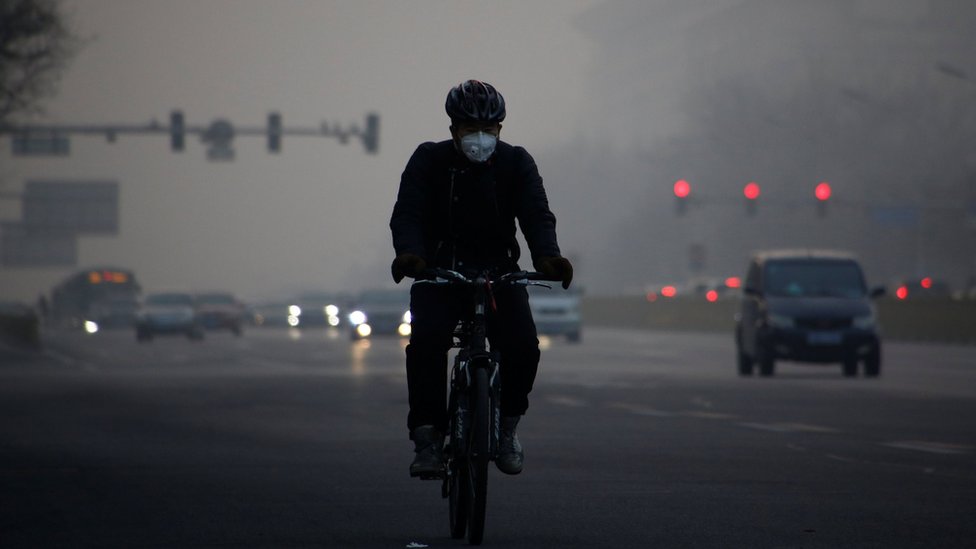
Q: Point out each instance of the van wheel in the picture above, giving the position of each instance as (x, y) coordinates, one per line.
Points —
(850, 367)
(872, 364)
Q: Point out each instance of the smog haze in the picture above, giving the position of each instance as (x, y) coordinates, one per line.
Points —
(616, 100)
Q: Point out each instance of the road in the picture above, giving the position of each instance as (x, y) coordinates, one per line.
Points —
(634, 439)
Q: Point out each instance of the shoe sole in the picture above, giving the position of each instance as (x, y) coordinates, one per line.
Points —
(428, 475)
(508, 472)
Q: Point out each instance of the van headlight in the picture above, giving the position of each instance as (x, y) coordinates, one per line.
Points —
(780, 321)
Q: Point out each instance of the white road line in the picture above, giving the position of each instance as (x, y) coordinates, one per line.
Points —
(63, 359)
(567, 401)
(930, 447)
(835, 457)
(707, 415)
(789, 427)
(641, 410)
(71, 361)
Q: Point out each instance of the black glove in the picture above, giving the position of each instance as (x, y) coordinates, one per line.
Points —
(407, 265)
(556, 268)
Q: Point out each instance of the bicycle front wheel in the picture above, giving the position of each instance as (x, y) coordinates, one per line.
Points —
(478, 451)
(458, 493)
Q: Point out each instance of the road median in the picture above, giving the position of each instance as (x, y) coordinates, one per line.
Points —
(925, 320)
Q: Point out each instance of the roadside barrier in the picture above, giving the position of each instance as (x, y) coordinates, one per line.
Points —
(928, 320)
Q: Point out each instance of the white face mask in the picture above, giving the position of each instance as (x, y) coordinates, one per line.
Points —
(479, 146)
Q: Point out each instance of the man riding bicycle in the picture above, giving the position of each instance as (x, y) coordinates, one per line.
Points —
(456, 209)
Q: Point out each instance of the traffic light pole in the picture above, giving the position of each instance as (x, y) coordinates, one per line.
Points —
(49, 139)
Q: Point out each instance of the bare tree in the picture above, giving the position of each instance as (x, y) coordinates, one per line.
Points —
(35, 46)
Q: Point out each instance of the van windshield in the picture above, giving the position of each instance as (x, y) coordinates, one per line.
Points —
(814, 278)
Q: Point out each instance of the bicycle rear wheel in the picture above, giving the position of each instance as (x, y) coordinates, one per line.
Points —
(478, 451)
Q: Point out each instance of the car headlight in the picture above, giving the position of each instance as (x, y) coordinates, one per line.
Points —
(294, 310)
(407, 317)
(357, 317)
(865, 322)
(779, 321)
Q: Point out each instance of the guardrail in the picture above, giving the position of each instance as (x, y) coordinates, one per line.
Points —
(930, 320)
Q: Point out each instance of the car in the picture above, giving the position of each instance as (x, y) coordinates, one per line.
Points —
(272, 314)
(219, 311)
(317, 309)
(807, 306)
(557, 312)
(380, 312)
(168, 313)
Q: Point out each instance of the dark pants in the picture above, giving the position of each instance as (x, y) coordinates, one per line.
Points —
(435, 312)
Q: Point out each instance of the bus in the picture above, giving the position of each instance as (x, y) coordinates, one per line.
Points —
(106, 295)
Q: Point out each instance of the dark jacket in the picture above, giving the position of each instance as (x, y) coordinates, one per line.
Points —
(458, 214)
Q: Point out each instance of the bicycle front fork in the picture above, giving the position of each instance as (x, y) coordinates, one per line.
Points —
(461, 380)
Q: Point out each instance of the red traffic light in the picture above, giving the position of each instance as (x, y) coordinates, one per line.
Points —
(822, 192)
(682, 189)
(751, 190)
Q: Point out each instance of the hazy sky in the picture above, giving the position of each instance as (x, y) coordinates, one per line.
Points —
(616, 99)
(315, 216)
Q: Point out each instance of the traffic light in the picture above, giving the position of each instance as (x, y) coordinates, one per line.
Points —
(176, 131)
(274, 132)
(681, 192)
(371, 136)
(822, 192)
(751, 192)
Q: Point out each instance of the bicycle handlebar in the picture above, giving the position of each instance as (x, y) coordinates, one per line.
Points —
(446, 276)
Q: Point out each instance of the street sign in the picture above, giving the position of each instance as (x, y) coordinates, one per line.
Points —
(40, 145)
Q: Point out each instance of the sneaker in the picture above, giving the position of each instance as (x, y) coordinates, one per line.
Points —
(429, 461)
(510, 456)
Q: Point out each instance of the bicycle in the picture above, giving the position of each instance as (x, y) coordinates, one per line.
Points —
(474, 415)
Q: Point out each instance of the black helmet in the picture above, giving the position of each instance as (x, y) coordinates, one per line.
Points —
(475, 101)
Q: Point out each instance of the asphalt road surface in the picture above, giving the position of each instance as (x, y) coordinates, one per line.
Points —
(634, 439)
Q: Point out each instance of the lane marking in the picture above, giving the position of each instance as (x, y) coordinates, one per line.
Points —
(564, 400)
(63, 359)
(708, 415)
(71, 361)
(943, 448)
(789, 427)
(640, 410)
